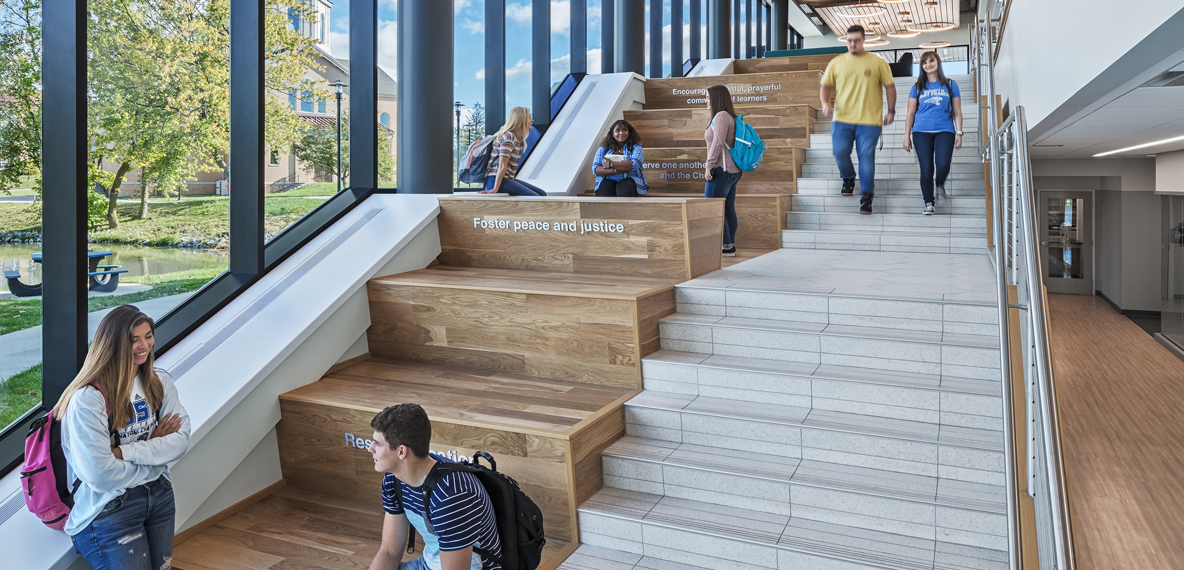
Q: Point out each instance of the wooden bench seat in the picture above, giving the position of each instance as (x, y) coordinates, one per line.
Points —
(545, 433)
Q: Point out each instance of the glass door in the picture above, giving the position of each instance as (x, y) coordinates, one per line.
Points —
(1173, 305)
(1066, 241)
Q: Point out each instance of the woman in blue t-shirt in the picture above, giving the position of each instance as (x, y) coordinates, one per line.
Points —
(934, 125)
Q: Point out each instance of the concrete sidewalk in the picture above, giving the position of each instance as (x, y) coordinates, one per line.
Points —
(21, 350)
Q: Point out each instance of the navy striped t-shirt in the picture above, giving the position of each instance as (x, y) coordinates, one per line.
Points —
(461, 513)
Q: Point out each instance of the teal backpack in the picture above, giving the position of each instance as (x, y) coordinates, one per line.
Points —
(749, 149)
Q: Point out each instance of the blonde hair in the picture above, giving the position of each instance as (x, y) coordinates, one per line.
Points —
(109, 363)
(518, 122)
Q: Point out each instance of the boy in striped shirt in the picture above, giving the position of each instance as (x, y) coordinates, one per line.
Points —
(461, 512)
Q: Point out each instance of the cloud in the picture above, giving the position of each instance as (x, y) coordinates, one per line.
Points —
(461, 5)
(481, 74)
(520, 71)
(560, 15)
(339, 44)
(472, 27)
(388, 48)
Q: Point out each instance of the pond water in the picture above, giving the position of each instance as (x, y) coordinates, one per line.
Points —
(136, 260)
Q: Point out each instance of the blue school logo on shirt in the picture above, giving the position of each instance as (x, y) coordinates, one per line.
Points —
(141, 408)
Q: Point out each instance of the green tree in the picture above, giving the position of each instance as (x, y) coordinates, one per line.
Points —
(20, 91)
(317, 150)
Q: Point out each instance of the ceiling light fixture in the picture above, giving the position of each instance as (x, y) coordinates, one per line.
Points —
(866, 38)
(876, 43)
(902, 34)
(933, 27)
(893, 1)
(932, 3)
(935, 45)
(854, 11)
(1137, 147)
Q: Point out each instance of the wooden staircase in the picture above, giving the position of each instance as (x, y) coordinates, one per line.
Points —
(525, 341)
(778, 96)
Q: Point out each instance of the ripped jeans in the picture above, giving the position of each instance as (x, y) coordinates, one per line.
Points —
(133, 532)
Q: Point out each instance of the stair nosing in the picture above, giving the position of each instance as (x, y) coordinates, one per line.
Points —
(640, 520)
(892, 233)
(834, 378)
(833, 487)
(831, 334)
(851, 430)
(691, 285)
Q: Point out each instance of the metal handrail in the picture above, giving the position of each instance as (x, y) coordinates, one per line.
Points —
(1015, 241)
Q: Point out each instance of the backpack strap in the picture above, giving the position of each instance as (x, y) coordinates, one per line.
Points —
(437, 473)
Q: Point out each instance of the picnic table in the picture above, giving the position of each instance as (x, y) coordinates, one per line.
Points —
(103, 278)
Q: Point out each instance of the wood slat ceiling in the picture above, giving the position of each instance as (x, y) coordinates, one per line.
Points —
(837, 15)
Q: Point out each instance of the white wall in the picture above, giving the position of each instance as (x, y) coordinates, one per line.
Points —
(1052, 48)
(1137, 174)
(1169, 172)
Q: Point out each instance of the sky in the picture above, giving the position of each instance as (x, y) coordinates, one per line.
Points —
(469, 44)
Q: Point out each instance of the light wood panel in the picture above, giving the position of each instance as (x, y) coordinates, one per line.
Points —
(790, 63)
(300, 529)
(1120, 401)
(778, 125)
(530, 425)
(761, 218)
(681, 170)
(495, 325)
(652, 242)
(782, 88)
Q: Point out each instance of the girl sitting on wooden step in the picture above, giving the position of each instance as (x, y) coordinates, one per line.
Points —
(507, 152)
(618, 163)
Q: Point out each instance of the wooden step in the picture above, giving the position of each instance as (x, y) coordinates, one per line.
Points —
(682, 169)
(545, 433)
(667, 238)
(782, 88)
(791, 63)
(581, 328)
(778, 125)
(301, 529)
(761, 216)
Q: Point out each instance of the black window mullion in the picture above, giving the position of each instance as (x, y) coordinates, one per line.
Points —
(246, 137)
(676, 38)
(579, 36)
(540, 54)
(363, 94)
(495, 65)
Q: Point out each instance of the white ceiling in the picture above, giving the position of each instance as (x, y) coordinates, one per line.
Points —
(838, 15)
(1129, 116)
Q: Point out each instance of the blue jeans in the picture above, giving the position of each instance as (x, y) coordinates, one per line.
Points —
(133, 532)
(933, 148)
(723, 185)
(864, 138)
(417, 564)
(513, 187)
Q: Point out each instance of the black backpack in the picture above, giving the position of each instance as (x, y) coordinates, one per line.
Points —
(519, 519)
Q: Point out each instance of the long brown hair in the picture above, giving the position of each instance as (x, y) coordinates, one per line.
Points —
(517, 122)
(923, 78)
(610, 143)
(109, 362)
(721, 100)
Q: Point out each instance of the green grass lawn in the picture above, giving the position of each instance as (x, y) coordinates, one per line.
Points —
(19, 394)
(21, 314)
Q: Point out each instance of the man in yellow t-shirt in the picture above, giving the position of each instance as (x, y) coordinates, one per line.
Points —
(854, 80)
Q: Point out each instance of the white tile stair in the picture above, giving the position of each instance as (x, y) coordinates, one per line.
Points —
(889, 186)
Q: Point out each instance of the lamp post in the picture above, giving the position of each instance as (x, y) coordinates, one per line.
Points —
(338, 90)
(458, 106)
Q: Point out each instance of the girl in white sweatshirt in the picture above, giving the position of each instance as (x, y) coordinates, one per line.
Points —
(122, 424)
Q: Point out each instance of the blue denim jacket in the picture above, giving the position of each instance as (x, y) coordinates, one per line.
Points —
(636, 154)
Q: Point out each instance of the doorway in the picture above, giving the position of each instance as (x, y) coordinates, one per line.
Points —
(1067, 241)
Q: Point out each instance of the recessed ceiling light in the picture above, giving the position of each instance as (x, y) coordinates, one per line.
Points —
(932, 3)
(904, 13)
(1137, 147)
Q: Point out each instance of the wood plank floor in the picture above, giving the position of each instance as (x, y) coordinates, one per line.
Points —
(295, 529)
(1121, 398)
(479, 397)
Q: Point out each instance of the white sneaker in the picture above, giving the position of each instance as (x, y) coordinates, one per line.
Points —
(928, 209)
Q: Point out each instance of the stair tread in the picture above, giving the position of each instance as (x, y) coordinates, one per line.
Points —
(537, 282)
(877, 548)
(890, 233)
(589, 557)
(918, 488)
(955, 339)
(462, 395)
(822, 419)
(830, 372)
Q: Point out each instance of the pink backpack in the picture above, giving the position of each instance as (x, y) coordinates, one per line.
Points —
(47, 492)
